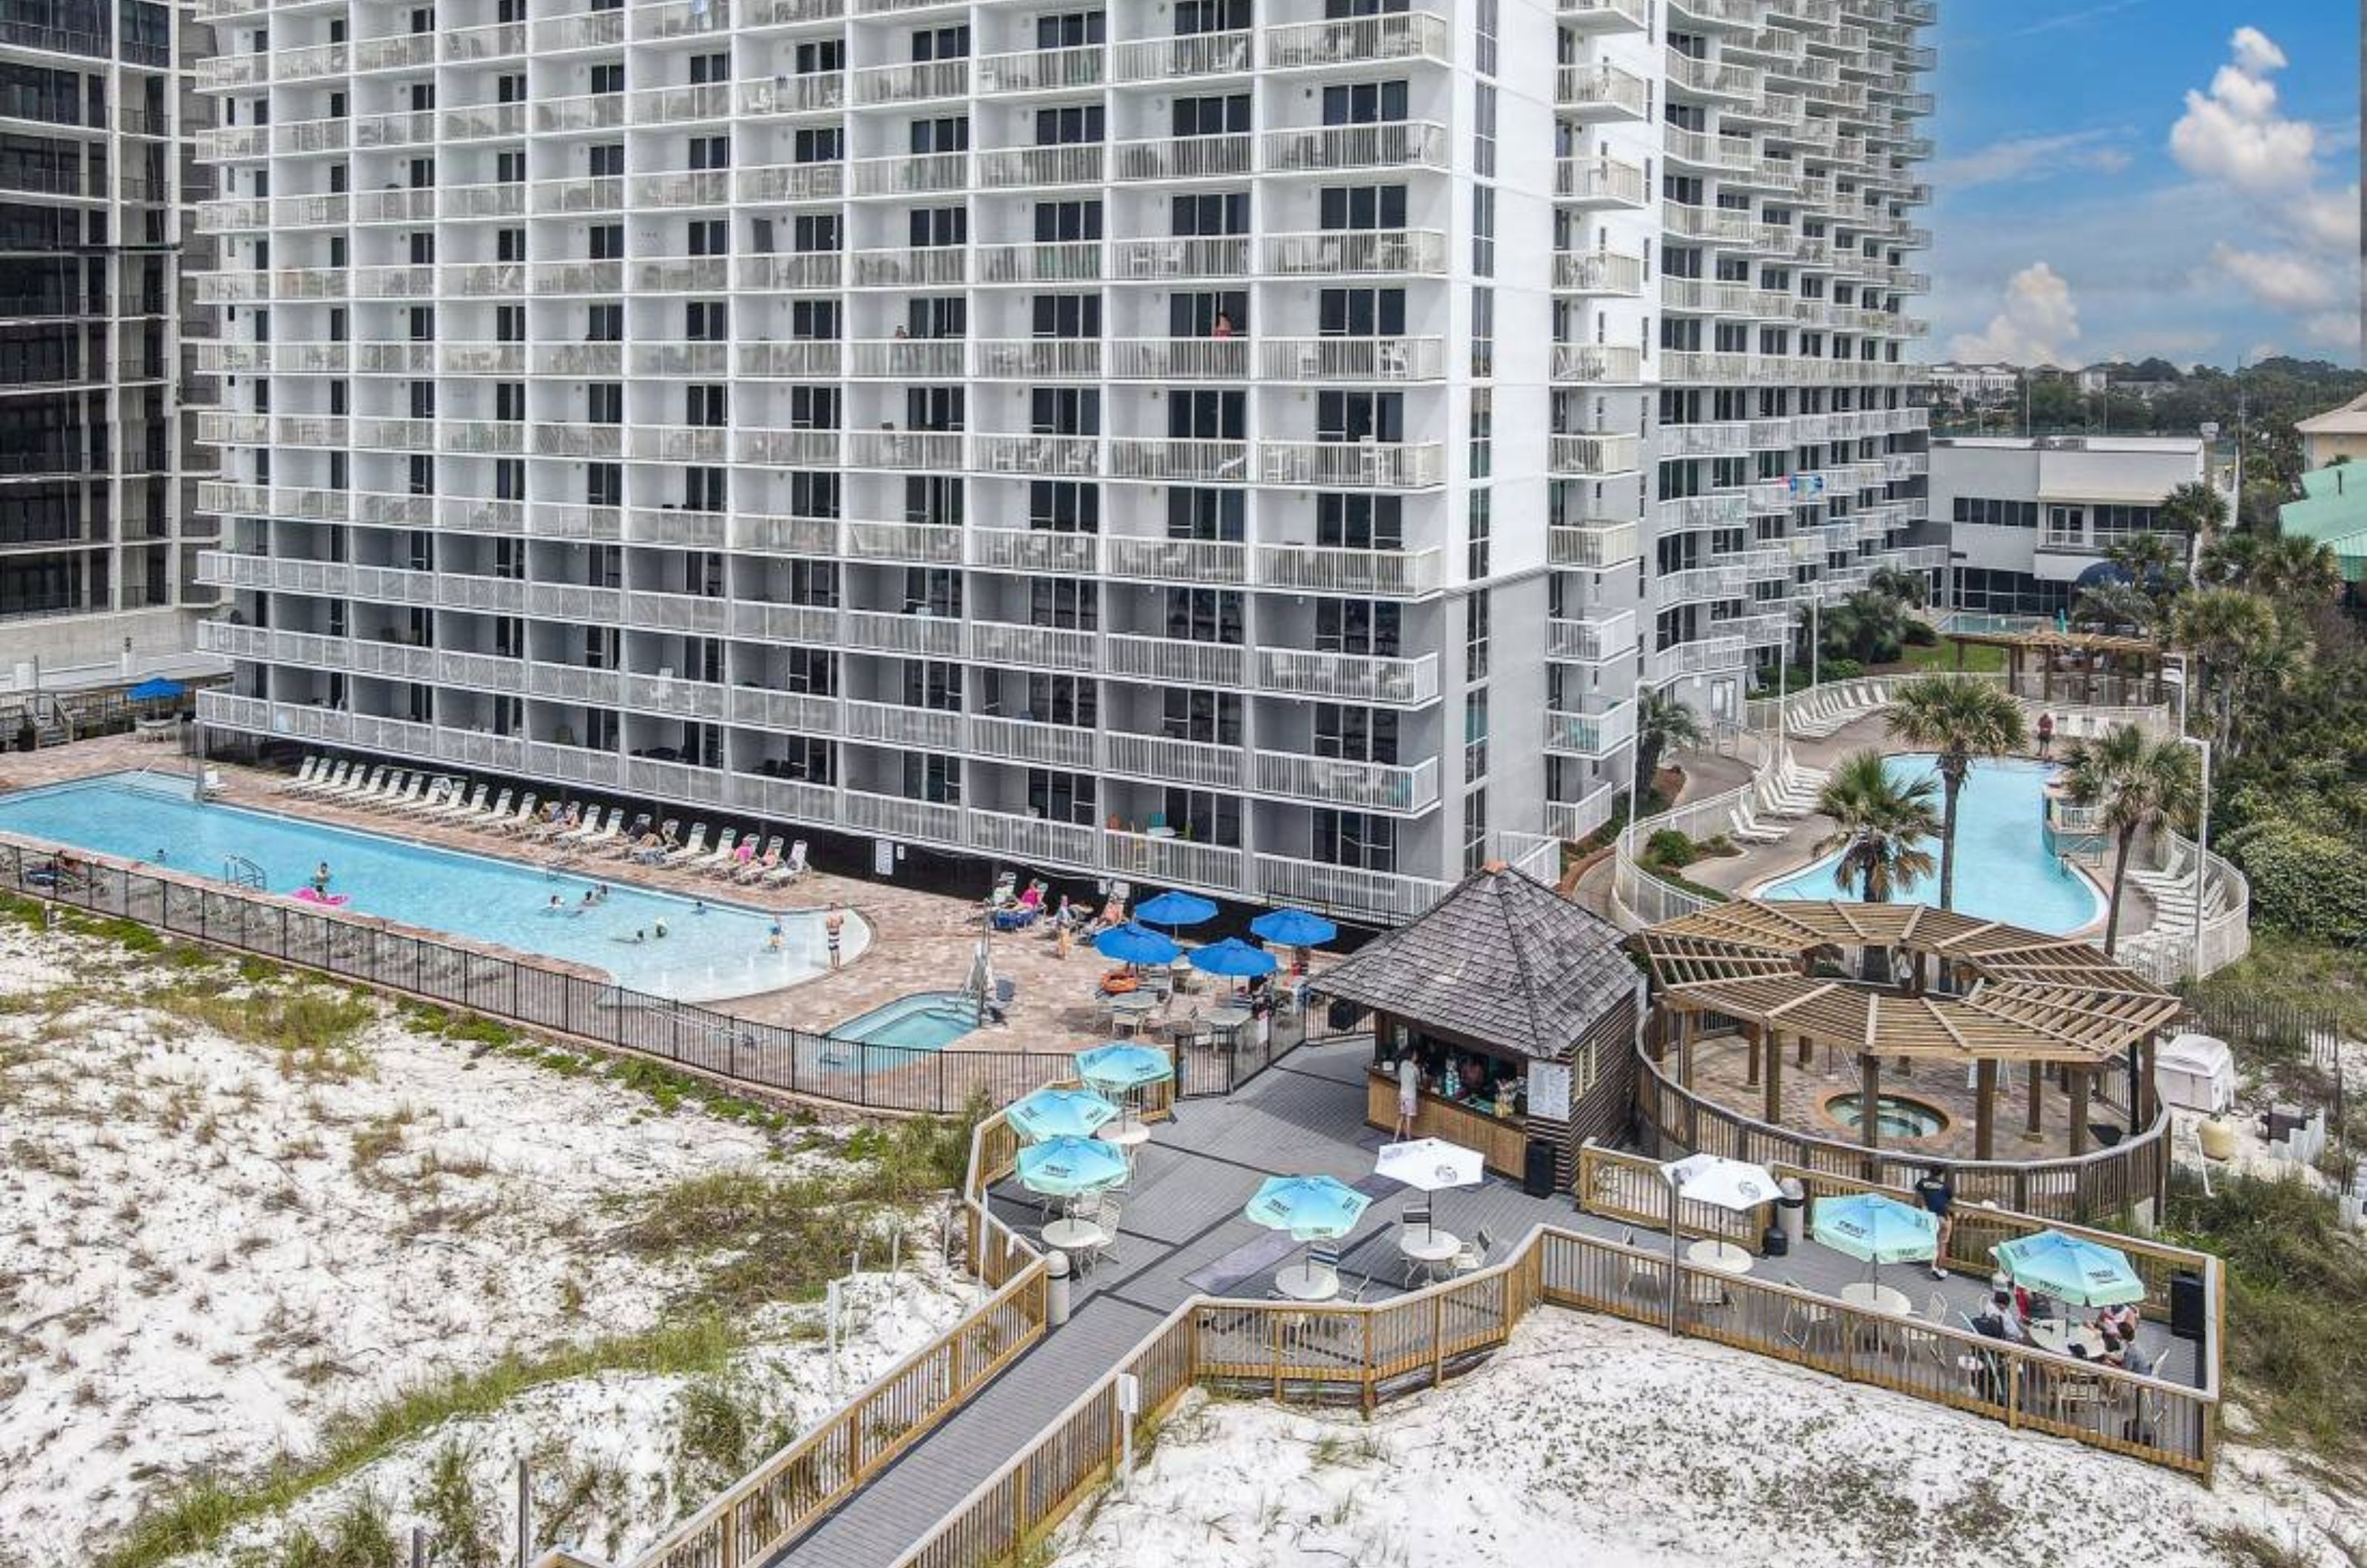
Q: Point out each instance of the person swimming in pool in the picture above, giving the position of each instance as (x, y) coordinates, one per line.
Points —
(552, 907)
(773, 936)
(320, 874)
(660, 928)
(698, 906)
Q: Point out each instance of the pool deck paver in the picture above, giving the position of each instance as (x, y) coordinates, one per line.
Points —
(920, 941)
(1304, 1115)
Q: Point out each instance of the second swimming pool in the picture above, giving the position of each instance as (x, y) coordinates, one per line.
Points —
(661, 944)
(2004, 870)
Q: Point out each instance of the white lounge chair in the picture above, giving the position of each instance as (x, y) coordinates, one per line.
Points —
(1744, 825)
(414, 790)
(592, 832)
(566, 822)
(517, 821)
(332, 776)
(790, 869)
(756, 867)
(304, 776)
(691, 850)
(716, 858)
(456, 807)
(478, 814)
(360, 782)
(389, 785)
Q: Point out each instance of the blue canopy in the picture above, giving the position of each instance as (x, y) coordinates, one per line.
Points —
(1059, 1113)
(1292, 928)
(1176, 909)
(1124, 1065)
(2070, 1268)
(1130, 943)
(1873, 1228)
(1312, 1208)
(156, 689)
(1064, 1167)
(1233, 956)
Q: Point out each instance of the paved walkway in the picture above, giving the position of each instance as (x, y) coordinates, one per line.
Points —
(1182, 1234)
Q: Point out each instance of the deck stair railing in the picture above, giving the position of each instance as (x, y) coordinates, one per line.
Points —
(241, 872)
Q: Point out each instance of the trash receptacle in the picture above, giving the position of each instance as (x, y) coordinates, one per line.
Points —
(1775, 1244)
(1055, 1288)
(1537, 1169)
(1792, 1211)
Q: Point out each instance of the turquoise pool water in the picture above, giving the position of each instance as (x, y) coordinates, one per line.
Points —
(2004, 870)
(707, 953)
(926, 1020)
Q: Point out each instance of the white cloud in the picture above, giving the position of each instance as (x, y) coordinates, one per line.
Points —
(2335, 329)
(2283, 280)
(2038, 322)
(2033, 157)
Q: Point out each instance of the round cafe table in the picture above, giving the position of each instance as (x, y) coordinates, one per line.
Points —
(2059, 1335)
(1125, 1134)
(1722, 1256)
(1074, 1235)
(1427, 1252)
(1307, 1282)
(1867, 1296)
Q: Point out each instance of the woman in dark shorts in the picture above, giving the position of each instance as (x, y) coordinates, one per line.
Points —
(1939, 1195)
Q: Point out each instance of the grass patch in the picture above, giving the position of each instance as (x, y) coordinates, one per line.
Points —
(1980, 659)
(2296, 1332)
(313, 1030)
(195, 1518)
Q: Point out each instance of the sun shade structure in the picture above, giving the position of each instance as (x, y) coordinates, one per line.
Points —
(2085, 1273)
(1311, 1208)
(1876, 1229)
(1059, 1113)
(1233, 958)
(1176, 909)
(1130, 944)
(1292, 928)
(2030, 996)
(1063, 1167)
(1124, 1065)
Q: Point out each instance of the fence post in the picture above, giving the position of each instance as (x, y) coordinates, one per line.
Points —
(1438, 1339)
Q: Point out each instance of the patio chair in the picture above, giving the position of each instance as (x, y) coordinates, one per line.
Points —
(752, 870)
(304, 776)
(1474, 1256)
(1804, 1321)
(691, 850)
(484, 815)
(327, 774)
(517, 821)
(716, 859)
(668, 842)
(790, 869)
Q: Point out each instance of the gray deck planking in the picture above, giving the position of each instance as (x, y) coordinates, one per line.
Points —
(1183, 1213)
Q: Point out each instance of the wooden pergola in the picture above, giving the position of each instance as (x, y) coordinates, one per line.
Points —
(1969, 990)
(2129, 664)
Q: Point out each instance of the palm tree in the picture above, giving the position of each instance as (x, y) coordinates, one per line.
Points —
(2223, 627)
(2135, 784)
(2153, 564)
(2193, 508)
(1958, 718)
(1880, 824)
(1867, 627)
(2115, 606)
(1663, 720)
(1910, 588)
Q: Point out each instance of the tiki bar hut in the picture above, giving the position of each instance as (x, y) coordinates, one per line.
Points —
(1829, 998)
(1521, 1009)
(2044, 665)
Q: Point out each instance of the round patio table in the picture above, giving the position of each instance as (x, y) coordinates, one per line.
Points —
(1427, 1251)
(2059, 1335)
(1307, 1282)
(1074, 1235)
(1133, 1009)
(1870, 1297)
(1722, 1256)
(1125, 1134)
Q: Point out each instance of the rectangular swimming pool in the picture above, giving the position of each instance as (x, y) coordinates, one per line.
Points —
(926, 1020)
(661, 944)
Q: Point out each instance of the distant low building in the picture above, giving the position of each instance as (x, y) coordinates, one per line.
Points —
(1977, 383)
(2024, 520)
(2337, 433)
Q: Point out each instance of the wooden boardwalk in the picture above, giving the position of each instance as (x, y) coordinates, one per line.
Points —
(1183, 1236)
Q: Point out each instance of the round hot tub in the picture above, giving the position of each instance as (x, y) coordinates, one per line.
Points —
(1897, 1117)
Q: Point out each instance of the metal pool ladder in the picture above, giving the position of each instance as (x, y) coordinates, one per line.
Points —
(241, 872)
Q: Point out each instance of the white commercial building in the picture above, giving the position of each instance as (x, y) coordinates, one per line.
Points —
(2025, 519)
(1259, 445)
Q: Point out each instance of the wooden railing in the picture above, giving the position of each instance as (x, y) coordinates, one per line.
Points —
(1416, 1341)
(2101, 1184)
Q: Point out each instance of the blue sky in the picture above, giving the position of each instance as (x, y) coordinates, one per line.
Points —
(2124, 177)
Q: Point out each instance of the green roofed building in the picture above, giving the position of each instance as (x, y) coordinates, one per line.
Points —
(2333, 511)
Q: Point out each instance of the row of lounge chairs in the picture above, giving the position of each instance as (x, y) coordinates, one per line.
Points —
(1784, 793)
(574, 833)
(1828, 708)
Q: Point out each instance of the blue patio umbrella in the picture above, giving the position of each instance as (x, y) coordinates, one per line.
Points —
(1124, 1065)
(1172, 909)
(1311, 1208)
(1876, 1229)
(1066, 1167)
(1292, 928)
(156, 689)
(1234, 957)
(2084, 1273)
(1059, 1113)
(1130, 944)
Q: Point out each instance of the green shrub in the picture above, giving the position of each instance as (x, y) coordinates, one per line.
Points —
(1831, 670)
(2309, 883)
(1671, 848)
(1922, 634)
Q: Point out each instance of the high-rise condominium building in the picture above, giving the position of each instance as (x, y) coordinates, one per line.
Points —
(94, 181)
(1259, 445)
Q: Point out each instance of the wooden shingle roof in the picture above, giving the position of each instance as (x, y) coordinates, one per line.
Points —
(2034, 998)
(1502, 960)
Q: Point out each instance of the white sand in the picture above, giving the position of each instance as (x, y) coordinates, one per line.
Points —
(202, 1256)
(1591, 1441)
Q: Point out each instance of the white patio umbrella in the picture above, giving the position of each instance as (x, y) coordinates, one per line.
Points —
(1429, 1165)
(1722, 1183)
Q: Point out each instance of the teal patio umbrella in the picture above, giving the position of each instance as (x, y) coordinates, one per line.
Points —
(1058, 1113)
(1311, 1208)
(1123, 1068)
(1876, 1230)
(2070, 1268)
(1069, 1168)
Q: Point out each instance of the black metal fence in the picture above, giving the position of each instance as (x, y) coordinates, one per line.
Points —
(532, 996)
